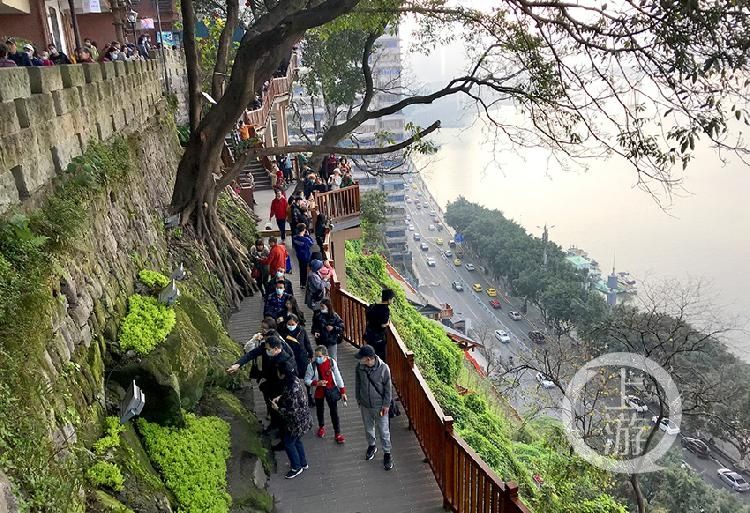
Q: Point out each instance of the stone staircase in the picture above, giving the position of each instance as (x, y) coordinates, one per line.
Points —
(260, 176)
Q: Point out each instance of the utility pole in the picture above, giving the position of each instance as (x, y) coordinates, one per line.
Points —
(545, 240)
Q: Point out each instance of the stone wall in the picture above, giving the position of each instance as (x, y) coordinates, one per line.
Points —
(48, 115)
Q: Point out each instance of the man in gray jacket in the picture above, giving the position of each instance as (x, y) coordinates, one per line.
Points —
(373, 393)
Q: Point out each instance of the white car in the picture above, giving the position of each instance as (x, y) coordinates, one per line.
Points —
(431, 227)
(430, 262)
(544, 380)
(515, 316)
(666, 425)
(411, 227)
(502, 336)
(448, 253)
(424, 246)
(732, 479)
(636, 403)
(469, 267)
(408, 217)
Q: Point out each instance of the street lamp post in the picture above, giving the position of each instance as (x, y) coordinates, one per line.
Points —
(545, 240)
(132, 17)
(315, 121)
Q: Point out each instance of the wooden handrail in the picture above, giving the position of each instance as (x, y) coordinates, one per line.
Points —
(278, 87)
(343, 202)
(467, 483)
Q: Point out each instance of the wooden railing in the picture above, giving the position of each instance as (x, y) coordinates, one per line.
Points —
(340, 203)
(467, 483)
(278, 87)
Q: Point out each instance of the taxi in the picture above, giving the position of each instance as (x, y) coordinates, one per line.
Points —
(492, 292)
(477, 287)
(457, 262)
(439, 242)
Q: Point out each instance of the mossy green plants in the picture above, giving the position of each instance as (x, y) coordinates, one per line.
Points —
(111, 438)
(192, 461)
(147, 324)
(154, 280)
(105, 474)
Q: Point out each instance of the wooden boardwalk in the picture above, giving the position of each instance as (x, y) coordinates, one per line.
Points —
(339, 479)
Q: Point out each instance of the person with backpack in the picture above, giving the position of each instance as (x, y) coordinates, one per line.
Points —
(328, 328)
(374, 394)
(377, 317)
(303, 244)
(317, 287)
(324, 377)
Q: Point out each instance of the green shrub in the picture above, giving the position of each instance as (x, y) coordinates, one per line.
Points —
(106, 474)
(147, 324)
(153, 279)
(111, 438)
(192, 461)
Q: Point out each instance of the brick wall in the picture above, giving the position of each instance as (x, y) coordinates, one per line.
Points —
(48, 115)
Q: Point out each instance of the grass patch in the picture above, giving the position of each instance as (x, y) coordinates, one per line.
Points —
(147, 324)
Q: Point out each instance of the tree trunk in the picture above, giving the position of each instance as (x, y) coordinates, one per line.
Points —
(191, 63)
(222, 53)
(640, 501)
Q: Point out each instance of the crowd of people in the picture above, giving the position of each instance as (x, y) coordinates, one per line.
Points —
(29, 55)
(296, 363)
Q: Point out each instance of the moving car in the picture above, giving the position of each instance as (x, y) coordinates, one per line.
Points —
(666, 425)
(425, 204)
(457, 286)
(494, 303)
(477, 287)
(439, 241)
(408, 217)
(448, 253)
(411, 227)
(492, 292)
(457, 262)
(696, 446)
(432, 213)
(515, 316)
(544, 380)
(733, 480)
(419, 205)
(469, 267)
(536, 336)
(636, 403)
(502, 336)
(424, 246)
(417, 236)
(452, 243)
(431, 227)
(430, 262)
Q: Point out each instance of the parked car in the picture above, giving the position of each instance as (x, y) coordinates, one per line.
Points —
(696, 446)
(457, 286)
(470, 267)
(457, 262)
(494, 303)
(417, 236)
(536, 336)
(733, 480)
(492, 292)
(419, 205)
(451, 243)
(477, 287)
(432, 213)
(408, 217)
(431, 227)
(424, 246)
(439, 241)
(448, 253)
(430, 262)
(502, 336)
(544, 380)
(515, 316)
(666, 425)
(636, 403)
(425, 204)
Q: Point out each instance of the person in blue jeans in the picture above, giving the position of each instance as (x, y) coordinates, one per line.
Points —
(296, 419)
(303, 244)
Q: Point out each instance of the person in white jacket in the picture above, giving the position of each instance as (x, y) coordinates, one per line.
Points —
(324, 376)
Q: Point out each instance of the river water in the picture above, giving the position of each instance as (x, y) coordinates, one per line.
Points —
(703, 235)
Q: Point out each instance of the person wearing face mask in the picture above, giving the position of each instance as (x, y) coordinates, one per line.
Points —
(303, 244)
(280, 275)
(317, 287)
(57, 58)
(274, 353)
(292, 308)
(328, 328)
(324, 376)
(291, 405)
(20, 58)
(297, 338)
(259, 252)
(275, 302)
(373, 392)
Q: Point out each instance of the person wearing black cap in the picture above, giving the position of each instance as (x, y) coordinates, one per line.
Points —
(374, 395)
(378, 316)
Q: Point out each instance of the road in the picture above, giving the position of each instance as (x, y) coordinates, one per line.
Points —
(435, 283)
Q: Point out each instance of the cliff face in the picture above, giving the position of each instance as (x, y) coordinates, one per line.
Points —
(67, 269)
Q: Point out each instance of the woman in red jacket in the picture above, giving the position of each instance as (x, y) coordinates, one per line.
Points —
(324, 376)
(278, 210)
